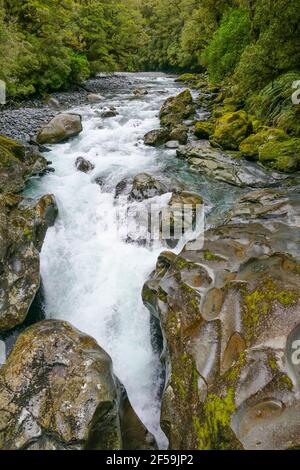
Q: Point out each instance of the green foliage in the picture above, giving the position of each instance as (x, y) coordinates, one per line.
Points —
(275, 47)
(228, 42)
(275, 98)
(46, 44)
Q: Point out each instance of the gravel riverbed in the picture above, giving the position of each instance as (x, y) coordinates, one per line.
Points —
(22, 121)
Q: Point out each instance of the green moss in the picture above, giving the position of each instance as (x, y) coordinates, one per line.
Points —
(289, 121)
(260, 302)
(185, 376)
(213, 429)
(231, 129)
(203, 129)
(233, 373)
(272, 362)
(28, 233)
(286, 382)
(281, 156)
(209, 256)
(187, 77)
(251, 145)
(181, 263)
(180, 386)
(12, 147)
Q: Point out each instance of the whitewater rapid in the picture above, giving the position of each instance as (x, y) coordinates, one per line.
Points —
(91, 276)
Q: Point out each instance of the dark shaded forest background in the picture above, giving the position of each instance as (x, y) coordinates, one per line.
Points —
(247, 44)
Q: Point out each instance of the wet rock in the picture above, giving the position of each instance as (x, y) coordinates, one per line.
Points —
(172, 144)
(145, 186)
(59, 393)
(203, 130)
(60, 128)
(24, 223)
(179, 133)
(140, 92)
(227, 309)
(180, 216)
(157, 137)
(124, 187)
(109, 114)
(94, 98)
(214, 163)
(185, 198)
(231, 129)
(17, 163)
(84, 165)
(177, 108)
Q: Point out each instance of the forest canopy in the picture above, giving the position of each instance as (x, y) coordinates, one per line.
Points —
(48, 44)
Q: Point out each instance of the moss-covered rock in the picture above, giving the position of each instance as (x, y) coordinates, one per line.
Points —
(179, 133)
(281, 156)
(176, 109)
(227, 312)
(231, 129)
(203, 129)
(17, 163)
(146, 186)
(58, 392)
(187, 77)
(23, 226)
(157, 137)
(251, 145)
(289, 121)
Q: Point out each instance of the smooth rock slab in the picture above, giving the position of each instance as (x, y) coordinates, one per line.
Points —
(214, 163)
(23, 226)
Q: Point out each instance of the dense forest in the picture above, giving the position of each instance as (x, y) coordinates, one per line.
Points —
(46, 44)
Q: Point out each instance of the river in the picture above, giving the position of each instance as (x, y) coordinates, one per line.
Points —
(91, 276)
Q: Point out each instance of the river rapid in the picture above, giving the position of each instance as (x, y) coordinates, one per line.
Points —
(91, 276)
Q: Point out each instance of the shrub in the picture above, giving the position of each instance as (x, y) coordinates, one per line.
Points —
(224, 51)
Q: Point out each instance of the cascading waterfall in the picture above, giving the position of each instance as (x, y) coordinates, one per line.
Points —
(91, 276)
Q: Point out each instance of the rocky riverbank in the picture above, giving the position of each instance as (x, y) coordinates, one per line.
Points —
(23, 120)
(227, 312)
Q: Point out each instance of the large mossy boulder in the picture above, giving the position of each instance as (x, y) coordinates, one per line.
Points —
(58, 392)
(251, 145)
(231, 129)
(203, 129)
(23, 226)
(281, 156)
(17, 163)
(176, 109)
(60, 128)
(289, 121)
(228, 310)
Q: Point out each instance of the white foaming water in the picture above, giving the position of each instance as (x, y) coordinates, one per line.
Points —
(92, 278)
